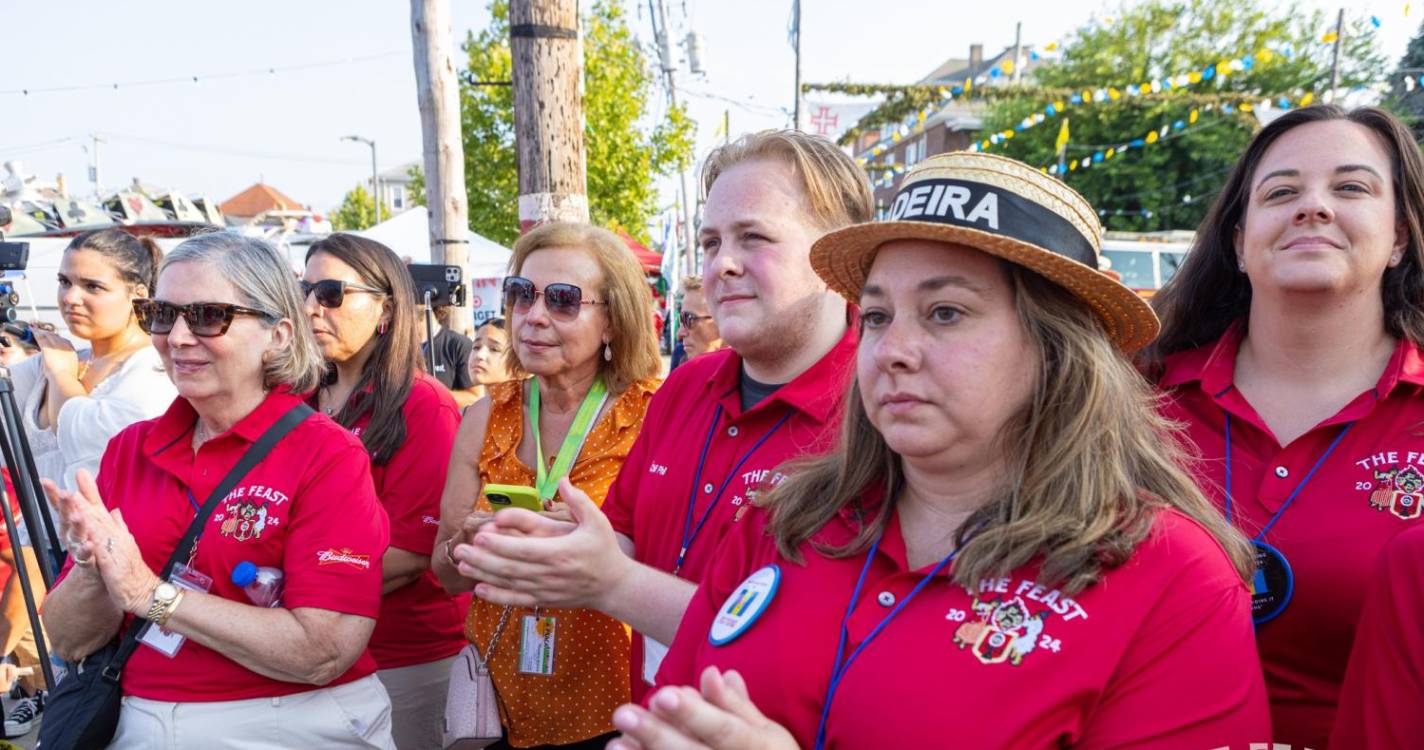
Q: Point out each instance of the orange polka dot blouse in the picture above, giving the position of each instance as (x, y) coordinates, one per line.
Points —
(590, 673)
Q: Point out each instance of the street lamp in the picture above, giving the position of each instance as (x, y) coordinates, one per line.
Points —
(375, 180)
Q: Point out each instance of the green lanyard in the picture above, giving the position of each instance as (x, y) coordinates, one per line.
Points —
(547, 481)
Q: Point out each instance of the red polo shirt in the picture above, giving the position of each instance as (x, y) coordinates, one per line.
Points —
(1332, 532)
(700, 404)
(1159, 653)
(1384, 686)
(308, 509)
(419, 622)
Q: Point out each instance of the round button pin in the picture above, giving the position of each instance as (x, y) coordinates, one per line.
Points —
(886, 599)
(732, 431)
(1282, 472)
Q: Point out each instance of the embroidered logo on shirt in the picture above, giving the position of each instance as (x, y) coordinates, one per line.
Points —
(1400, 491)
(1004, 632)
(244, 520)
(343, 556)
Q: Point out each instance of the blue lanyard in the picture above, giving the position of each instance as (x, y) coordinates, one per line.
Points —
(1294, 493)
(839, 669)
(194, 501)
(689, 532)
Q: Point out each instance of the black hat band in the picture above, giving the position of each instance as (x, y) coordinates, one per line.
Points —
(988, 208)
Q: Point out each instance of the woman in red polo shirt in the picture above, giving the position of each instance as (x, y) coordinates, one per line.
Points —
(1002, 551)
(1290, 352)
(223, 670)
(360, 303)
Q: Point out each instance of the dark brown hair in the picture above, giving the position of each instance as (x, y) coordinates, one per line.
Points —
(387, 378)
(1209, 292)
(135, 258)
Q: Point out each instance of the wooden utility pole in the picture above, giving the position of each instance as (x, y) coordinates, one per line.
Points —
(548, 111)
(443, 155)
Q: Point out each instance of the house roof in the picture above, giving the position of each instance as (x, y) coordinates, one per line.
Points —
(398, 174)
(255, 200)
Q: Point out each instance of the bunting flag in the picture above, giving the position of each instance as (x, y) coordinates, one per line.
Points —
(1172, 129)
(1061, 142)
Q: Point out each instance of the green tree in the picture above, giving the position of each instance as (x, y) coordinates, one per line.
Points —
(1169, 184)
(1408, 99)
(624, 156)
(357, 211)
(415, 189)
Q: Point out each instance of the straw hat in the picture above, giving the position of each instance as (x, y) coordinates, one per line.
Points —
(1007, 209)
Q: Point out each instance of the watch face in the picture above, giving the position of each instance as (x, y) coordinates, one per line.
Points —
(165, 592)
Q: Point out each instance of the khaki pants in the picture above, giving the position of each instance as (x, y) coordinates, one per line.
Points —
(418, 703)
(354, 715)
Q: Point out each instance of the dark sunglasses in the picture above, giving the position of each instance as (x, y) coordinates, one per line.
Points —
(332, 292)
(563, 300)
(690, 319)
(205, 319)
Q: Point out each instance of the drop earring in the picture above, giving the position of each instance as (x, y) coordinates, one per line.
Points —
(383, 327)
(607, 353)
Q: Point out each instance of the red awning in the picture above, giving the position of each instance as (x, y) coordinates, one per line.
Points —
(650, 260)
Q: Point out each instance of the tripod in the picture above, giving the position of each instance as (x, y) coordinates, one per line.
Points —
(38, 522)
(429, 334)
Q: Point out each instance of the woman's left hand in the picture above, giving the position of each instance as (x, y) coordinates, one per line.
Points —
(58, 354)
(720, 717)
(128, 579)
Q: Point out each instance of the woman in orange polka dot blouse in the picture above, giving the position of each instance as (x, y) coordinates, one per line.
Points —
(580, 322)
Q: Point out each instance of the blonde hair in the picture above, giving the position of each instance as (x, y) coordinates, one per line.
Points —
(263, 281)
(1089, 463)
(630, 301)
(837, 190)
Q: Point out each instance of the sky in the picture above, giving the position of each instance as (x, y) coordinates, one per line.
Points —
(329, 69)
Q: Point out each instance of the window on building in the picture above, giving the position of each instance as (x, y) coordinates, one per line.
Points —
(398, 197)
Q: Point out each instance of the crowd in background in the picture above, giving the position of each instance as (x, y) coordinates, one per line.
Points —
(932, 480)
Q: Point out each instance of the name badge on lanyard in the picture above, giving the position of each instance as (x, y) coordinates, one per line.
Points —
(1273, 583)
(165, 641)
(536, 648)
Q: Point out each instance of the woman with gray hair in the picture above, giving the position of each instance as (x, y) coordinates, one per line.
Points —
(259, 638)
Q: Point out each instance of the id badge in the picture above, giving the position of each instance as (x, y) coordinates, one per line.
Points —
(165, 641)
(653, 654)
(536, 648)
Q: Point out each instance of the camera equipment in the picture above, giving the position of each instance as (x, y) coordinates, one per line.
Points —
(21, 461)
(14, 256)
(436, 286)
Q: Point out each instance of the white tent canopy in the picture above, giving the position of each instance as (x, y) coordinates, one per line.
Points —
(408, 234)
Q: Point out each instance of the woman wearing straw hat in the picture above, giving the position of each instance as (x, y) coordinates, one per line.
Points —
(1290, 350)
(1003, 550)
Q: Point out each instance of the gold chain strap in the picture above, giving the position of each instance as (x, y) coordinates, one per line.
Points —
(498, 631)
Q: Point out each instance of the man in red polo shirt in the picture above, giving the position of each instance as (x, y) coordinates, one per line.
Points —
(723, 423)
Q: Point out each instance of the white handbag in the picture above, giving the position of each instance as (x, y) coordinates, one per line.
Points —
(472, 705)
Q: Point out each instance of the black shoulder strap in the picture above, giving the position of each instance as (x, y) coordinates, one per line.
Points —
(254, 455)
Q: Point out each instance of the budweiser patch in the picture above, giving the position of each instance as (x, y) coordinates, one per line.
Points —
(343, 556)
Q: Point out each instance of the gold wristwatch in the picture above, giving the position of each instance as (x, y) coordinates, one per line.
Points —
(165, 599)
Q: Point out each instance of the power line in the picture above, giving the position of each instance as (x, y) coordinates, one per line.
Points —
(246, 154)
(748, 106)
(37, 146)
(271, 70)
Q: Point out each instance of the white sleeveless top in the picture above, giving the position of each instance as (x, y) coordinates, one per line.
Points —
(137, 391)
